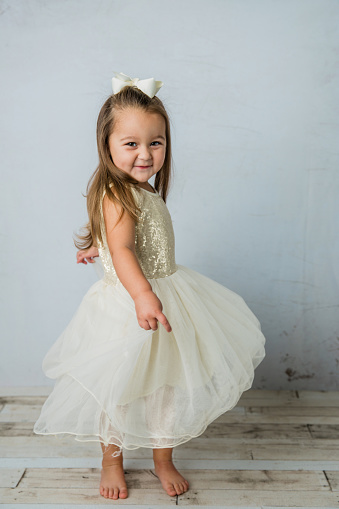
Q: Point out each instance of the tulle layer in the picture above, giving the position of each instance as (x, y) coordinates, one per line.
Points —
(117, 383)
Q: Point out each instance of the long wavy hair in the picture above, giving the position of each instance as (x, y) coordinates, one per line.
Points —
(107, 174)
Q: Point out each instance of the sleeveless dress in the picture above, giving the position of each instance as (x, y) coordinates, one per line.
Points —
(117, 383)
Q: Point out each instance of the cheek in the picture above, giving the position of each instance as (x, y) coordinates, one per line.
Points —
(122, 157)
(163, 155)
(160, 154)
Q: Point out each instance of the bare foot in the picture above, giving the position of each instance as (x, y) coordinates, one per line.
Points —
(113, 484)
(172, 481)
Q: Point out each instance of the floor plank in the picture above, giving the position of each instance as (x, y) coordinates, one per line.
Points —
(198, 479)
(10, 477)
(142, 496)
(273, 449)
(333, 479)
(262, 498)
(136, 496)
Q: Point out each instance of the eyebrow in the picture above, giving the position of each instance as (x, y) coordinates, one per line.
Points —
(129, 137)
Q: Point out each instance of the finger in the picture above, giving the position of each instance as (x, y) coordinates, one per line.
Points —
(163, 320)
(144, 324)
(153, 323)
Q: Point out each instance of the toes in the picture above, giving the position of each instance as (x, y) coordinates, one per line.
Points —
(171, 490)
(177, 488)
(123, 493)
(113, 492)
(183, 486)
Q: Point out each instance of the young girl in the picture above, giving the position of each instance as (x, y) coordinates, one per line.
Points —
(122, 379)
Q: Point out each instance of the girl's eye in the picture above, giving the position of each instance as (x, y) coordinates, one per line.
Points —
(130, 143)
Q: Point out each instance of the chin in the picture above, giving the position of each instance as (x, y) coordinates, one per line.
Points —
(143, 179)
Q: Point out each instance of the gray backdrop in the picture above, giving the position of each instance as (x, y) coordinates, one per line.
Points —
(251, 87)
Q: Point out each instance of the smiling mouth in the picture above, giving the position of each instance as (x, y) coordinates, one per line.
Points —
(143, 166)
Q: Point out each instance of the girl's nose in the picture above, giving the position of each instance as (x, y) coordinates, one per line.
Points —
(145, 152)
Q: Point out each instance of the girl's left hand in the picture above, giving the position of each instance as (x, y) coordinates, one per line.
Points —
(87, 254)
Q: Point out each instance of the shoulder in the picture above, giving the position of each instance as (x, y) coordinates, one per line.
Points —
(116, 208)
(111, 205)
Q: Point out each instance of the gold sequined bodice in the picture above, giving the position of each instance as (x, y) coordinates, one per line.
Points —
(154, 239)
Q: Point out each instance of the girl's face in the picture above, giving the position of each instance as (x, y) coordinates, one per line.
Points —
(138, 143)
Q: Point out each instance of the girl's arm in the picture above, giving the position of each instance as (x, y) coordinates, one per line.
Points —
(121, 243)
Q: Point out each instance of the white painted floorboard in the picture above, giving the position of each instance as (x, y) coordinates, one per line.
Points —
(275, 449)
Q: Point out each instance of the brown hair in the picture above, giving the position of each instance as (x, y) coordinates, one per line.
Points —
(107, 174)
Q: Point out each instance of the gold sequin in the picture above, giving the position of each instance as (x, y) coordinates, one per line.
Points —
(154, 239)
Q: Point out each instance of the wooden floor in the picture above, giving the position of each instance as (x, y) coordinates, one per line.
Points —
(274, 449)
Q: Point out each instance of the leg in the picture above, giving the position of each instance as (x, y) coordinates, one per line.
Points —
(172, 481)
(113, 484)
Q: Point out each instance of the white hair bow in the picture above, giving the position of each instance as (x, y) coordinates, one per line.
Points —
(149, 86)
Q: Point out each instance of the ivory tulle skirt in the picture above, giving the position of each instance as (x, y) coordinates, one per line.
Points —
(118, 383)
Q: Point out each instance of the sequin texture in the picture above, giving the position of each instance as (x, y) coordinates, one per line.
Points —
(154, 239)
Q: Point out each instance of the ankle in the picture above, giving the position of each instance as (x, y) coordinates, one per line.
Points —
(162, 461)
(108, 463)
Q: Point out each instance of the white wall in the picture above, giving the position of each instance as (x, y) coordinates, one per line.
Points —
(251, 87)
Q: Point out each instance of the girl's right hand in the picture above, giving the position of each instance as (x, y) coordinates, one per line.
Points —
(87, 254)
(149, 310)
